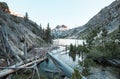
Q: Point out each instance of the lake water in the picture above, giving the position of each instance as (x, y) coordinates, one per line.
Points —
(46, 68)
(68, 41)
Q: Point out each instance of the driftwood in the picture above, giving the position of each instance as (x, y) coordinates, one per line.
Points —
(30, 63)
(35, 68)
(20, 66)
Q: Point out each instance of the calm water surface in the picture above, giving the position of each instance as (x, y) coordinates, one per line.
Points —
(47, 67)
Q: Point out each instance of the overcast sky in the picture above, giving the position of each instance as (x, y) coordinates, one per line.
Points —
(71, 13)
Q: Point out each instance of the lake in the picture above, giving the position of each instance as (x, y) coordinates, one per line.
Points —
(49, 69)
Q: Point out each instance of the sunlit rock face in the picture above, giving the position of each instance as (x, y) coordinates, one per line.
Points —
(108, 17)
(15, 13)
(15, 31)
(61, 27)
(4, 7)
(59, 30)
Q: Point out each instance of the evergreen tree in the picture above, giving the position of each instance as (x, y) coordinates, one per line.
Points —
(104, 32)
(104, 35)
(41, 31)
(71, 48)
(118, 34)
(26, 16)
(119, 29)
(48, 35)
(40, 26)
(43, 36)
(91, 36)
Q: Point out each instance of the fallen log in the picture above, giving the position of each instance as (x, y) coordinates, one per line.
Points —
(9, 71)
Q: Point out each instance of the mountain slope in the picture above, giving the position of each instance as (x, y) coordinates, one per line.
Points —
(16, 31)
(109, 17)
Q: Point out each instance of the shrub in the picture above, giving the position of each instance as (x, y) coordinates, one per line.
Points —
(76, 74)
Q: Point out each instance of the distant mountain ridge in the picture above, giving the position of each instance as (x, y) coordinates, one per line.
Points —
(108, 17)
(61, 27)
(58, 30)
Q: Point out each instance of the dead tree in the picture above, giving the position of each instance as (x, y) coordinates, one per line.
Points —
(5, 36)
(21, 66)
(25, 48)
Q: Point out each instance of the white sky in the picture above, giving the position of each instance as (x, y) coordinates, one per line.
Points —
(71, 13)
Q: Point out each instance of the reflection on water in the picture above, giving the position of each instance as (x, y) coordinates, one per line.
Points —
(49, 69)
(73, 55)
(68, 41)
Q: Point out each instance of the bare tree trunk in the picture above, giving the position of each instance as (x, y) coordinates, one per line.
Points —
(25, 49)
(20, 66)
(37, 68)
(10, 47)
(9, 77)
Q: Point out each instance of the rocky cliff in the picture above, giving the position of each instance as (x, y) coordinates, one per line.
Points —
(17, 33)
(108, 17)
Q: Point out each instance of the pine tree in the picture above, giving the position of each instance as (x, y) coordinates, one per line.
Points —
(91, 36)
(118, 33)
(43, 36)
(26, 16)
(105, 32)
(71, 48)
(40, 27)
(117, 36)
(48, 35)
